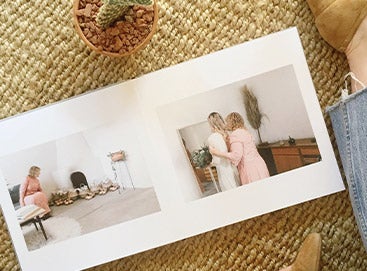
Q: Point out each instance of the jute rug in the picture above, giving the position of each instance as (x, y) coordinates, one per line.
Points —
(43, 61)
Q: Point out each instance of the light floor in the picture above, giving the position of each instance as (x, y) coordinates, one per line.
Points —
(209, 189)
(110, 209)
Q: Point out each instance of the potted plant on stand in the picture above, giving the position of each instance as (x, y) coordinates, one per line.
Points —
(202, 158)
(115, 27)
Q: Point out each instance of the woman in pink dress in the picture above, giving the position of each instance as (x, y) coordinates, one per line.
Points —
(243, 152)
(30, 191)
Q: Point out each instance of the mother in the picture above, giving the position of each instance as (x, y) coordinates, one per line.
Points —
(31, 192)
(243, 152)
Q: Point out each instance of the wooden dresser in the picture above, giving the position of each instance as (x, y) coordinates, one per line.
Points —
(287, 156)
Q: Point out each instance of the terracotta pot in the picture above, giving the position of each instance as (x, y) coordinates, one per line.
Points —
(138, 47)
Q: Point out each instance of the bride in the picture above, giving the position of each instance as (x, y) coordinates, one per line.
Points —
(226, 173)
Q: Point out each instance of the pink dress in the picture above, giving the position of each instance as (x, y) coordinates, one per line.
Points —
(244, 155)
(30, 192)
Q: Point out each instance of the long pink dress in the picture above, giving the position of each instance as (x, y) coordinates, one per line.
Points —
(244, 155)
(30, 192)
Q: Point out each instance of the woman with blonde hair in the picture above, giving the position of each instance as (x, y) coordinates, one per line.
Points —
(242, 151)
(226, 173)
(30, 192)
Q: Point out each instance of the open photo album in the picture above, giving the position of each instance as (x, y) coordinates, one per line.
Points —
(184, 150)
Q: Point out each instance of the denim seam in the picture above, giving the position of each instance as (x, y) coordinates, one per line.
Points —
(350, 97)
(361, 221)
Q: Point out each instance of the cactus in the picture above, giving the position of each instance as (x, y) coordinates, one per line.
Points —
(111, 10)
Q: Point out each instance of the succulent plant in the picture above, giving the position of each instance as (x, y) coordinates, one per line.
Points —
(111, 10)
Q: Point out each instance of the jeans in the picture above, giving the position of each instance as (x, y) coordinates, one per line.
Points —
(349, 122)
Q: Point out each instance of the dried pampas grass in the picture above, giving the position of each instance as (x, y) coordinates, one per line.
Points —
(253, 113)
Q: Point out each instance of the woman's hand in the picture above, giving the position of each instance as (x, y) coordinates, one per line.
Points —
(213, 151)
(217, 153)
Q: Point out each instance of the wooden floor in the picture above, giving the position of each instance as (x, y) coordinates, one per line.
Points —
(110, 209)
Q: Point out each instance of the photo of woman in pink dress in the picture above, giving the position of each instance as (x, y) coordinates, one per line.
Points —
(243, 153)
(30, 192)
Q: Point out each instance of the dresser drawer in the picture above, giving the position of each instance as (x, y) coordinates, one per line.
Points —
(310, 151)
(285, 151)
(310, 160)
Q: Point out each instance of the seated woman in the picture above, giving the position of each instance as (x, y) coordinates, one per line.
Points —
(31, 192)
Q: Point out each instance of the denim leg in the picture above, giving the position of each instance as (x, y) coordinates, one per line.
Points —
(349, 122)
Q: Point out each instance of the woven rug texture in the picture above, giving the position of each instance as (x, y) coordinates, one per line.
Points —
(42, 60)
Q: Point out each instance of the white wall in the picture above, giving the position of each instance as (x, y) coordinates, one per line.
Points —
(115, 136)
(77, 135)
(15, 167)
(279, 99)
(74, 154)
(57, 160)
(195, 135)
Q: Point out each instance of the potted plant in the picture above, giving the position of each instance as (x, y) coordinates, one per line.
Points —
(115, 27)
(202, 157)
